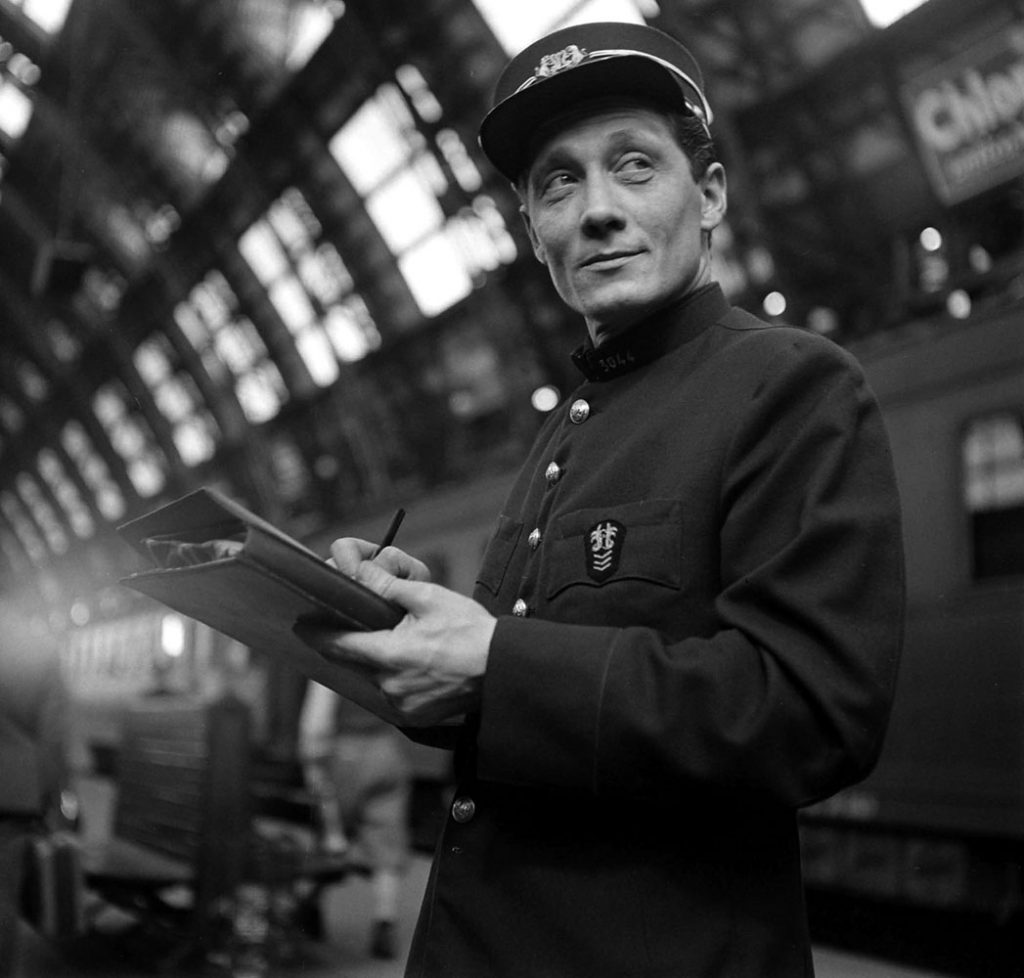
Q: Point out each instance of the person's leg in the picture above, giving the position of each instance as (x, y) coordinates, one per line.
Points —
(383, 835)
(386, 885)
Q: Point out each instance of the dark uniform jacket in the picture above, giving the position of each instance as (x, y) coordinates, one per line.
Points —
(699, 583)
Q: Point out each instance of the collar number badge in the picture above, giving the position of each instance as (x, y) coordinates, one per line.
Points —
(603, 544)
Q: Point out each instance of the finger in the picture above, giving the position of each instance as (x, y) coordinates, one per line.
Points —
(401, 564)
(347, 553)
(375, 576)
(410, 595)
(424, 707)
(408, 682)
(340, 646)
(319, 637)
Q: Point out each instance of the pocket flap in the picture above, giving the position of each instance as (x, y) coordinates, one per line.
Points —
(635, 541)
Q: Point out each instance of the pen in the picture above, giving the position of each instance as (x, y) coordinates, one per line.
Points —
(389, 536)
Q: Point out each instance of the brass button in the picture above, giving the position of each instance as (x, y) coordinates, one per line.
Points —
(520, 609)
(534, 538)
(463, 809)
(579, 411)
(553, 473)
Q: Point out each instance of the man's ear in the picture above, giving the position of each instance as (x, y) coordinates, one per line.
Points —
(714, 201)
(538, 250)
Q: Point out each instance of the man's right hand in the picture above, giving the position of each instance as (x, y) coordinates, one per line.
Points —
(351, 555)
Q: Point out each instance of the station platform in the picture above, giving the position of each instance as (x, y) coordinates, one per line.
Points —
(344, 952)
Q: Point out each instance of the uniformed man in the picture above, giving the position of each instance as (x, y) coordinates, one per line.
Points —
(688, 621)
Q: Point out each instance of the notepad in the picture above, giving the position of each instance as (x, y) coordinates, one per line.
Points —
(217, 562)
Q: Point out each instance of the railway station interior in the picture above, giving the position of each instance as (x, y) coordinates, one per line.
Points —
(253, 246)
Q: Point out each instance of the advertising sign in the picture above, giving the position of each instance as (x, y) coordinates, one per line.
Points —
(968, 116)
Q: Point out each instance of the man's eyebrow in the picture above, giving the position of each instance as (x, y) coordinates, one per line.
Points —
(558, 155)
(554, 150)
(630, 134)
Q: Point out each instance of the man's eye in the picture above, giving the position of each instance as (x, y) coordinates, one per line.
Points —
(556, 181)
(634, 165)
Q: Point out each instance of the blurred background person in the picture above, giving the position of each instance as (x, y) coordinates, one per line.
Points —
(357, 767)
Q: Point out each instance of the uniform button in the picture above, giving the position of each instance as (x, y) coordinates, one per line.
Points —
(579, 411)
(534, 538)
(520, 609)
(553, 473)
(463, 809)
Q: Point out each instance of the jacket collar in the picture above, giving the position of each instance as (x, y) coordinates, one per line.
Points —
(653, 337)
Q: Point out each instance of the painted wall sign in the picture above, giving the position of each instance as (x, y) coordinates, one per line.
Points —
(968, 116)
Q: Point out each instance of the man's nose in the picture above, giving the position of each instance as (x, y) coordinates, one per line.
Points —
(602, 211)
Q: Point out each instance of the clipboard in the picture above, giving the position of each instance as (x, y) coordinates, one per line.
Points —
(224, 566)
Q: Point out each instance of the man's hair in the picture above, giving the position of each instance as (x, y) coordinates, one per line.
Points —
(694, 140)
(690, 133)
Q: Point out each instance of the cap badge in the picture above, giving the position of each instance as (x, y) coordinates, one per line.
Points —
(603, 544)
(552, 64)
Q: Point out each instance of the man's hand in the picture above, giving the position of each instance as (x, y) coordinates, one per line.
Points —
(431, 665)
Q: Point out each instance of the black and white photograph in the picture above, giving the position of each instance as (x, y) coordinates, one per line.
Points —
(511, 489)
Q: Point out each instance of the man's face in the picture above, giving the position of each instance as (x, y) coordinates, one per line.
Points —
(616, 215)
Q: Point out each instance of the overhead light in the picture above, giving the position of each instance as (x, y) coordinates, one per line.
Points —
(930, 239)
(545, 398)
(172, 635)
(823, 320)
(958, 304)
(882, 13)
(774, 304)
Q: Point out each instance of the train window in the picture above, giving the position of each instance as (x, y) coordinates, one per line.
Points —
(993, 479)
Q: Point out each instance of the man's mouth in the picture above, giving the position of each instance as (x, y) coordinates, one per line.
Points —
(607, 259)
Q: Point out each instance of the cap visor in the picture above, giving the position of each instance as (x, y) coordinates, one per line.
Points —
(507, 130)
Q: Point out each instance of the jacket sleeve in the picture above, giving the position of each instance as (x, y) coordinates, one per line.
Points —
(788, 695)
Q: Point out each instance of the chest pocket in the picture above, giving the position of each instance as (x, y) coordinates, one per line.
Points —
(498, 554)
(634, 542)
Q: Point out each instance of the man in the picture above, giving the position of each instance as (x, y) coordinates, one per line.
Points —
(688, 622)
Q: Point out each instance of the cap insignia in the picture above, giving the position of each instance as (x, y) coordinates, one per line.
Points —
(552, 64)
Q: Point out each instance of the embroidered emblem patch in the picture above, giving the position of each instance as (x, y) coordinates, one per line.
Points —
(552, 64)
(603, 543)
